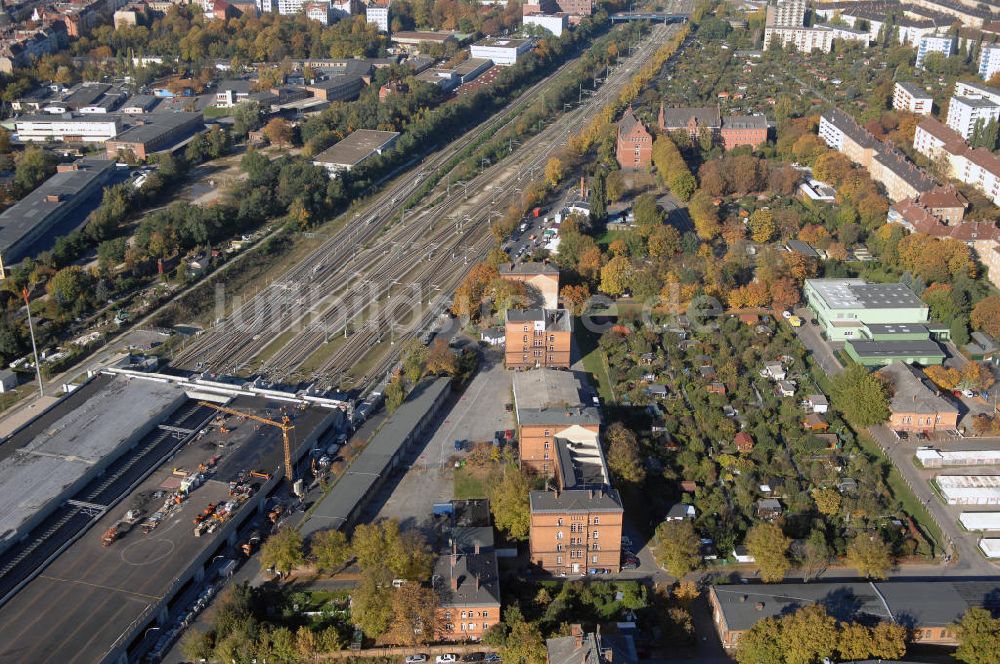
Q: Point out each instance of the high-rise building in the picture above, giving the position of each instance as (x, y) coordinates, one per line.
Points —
(378, 13)
(989, 61)
(935, 44)
(787, 13)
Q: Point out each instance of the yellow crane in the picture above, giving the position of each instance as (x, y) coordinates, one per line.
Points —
(283, 425)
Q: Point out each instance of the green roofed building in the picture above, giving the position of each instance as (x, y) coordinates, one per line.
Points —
(880, 323)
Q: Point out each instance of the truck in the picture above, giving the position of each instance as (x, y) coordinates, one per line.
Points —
(537, 212)
(227, 568)
(252, 544)
(276, 513)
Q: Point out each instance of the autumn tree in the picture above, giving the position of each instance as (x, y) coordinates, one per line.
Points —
(986, 315)
(808, 635)
(624, 458)
(278, 132)
(554, 171)
(976, 376)
(814, 555)
(769, 547)
(371, 603)
(946, 378)
(517, 640)
(574, 298)
(648, 216)
(870, 555)
(414, 615)
(441, 361)
(616, 275)
(784, 293)
(469, 295)
(283, 551)
(705, 216)
(827, 501)
(678, 548)
(761, 226)
(663, 241)
(761, 643)
(978, 637)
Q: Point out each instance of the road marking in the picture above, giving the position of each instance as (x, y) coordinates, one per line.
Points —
(100, 586)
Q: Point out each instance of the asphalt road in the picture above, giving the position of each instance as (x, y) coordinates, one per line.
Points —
(821, 351)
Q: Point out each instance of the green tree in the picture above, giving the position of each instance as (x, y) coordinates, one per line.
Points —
(330, 549)
(678, 549)
(808, 635)
(247, 117)
(769, 547)
(598, 199)
(624, 459)
(395, 393)
(509, 503)
(518, 641)
(862, 397)
(870, 555)
(648, 216)
(371, 602)
(67, 287)
(197, 645)
(761, 643)
(34, 166)
(978, 637)
(283, 551)
(414, 356)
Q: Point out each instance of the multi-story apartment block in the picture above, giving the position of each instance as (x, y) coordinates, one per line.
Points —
(787, 13)
(886, 165)
(911, 98)
(634, 149)
(801, 38)
(540, 278)
(966, 113)
(538, 338)
(977, 167)
(979, 90)
(576, 527)
(946, 46)
(733, 130)
(989, 61)
(377, 12)
(469, 587)
(549, 407)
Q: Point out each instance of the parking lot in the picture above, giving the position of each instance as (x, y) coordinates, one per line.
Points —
(474, 416)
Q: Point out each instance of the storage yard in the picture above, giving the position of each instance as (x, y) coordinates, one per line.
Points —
(132, 555)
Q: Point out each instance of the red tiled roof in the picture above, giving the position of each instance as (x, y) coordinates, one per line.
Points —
(953, 141)
(943, 197)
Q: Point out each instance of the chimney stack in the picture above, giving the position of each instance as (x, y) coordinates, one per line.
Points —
(454, 581)
(477, 547)
(577, 633)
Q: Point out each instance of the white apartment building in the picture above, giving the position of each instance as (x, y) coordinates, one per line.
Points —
(378, 14)
(965, 112)
(803, 39)
(554, 23)
(977, 167)
(831, 134)
(787, 13)
(503, 52)
(912, 98)
(989, 61)
(946, 46)
(973, 89)
(67, 128)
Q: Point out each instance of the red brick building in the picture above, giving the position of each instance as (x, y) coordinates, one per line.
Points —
(740, 130)
(634, 150)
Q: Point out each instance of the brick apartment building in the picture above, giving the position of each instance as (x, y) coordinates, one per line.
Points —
(634, 149)
(469, 583)
(732, 131)
(915, 406)
(548, 407)
(538, 338)
(540, 277)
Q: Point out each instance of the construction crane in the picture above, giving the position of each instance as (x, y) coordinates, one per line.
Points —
(283, 425)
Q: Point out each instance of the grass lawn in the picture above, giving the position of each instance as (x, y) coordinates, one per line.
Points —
(594, 362)
(216, 112)
(470, 482)
(608, 237)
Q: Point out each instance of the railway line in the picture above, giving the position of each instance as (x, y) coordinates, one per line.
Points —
(377, 279)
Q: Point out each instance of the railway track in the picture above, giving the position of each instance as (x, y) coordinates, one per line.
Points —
(377, 279)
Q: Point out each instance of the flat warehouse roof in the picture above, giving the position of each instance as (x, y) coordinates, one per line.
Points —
(858, 294)
(72, 437)
(980, 520)
(357, 147)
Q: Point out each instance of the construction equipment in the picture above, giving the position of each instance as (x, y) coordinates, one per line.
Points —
(284, 425)
(109, 536)
(251, 545)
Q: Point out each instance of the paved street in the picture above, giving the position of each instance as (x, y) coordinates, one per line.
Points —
(970, 561)
(820, 350)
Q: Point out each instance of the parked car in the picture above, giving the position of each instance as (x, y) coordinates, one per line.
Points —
(630, 563)
(416, 659)
(492, 657)
(786, 314)
(474, 657)
(626, 542)
(449, 658)
(968, 394)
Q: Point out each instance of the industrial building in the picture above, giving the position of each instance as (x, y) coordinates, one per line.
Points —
(73, 187)
(153, 133)
(969, 489)
(73, 471)
(503, 51)
(554, 23)
(930, 457)
(351, 152)
(928, 609)
(844, 306)
(67, 128)
(980, 520)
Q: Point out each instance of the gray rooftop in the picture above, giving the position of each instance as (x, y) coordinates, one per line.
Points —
(897, 328)
(924, 347)
(73, 436)
(365, 471)
(528, 268)
(911, 394)
(545, 388)
(555, 319)
(145, 102)
(800, 247)
(85, 94)
(36, 208)
(914, 90)
(576, 500)
(581, 464)
(744, 122)
(974, 102)
(236, 85)
(675, 118)
(591, 648)
(146, 129)
(475, 573)
(471, 65)
(357, 147)
(858, 294)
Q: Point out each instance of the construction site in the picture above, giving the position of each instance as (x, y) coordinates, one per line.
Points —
(128, 493)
